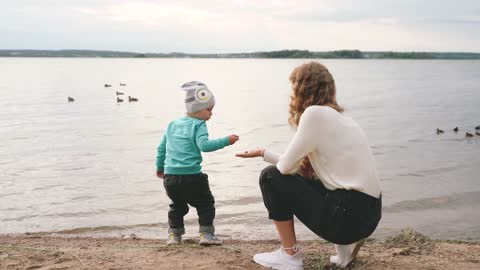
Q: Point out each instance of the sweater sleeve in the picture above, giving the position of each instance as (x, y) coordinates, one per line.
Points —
(161, 153)
(305, 141)
(205, 144)
(270, 157)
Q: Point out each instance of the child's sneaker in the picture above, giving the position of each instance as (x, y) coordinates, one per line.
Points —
(174, 239)
(280, 260)
(208, 239)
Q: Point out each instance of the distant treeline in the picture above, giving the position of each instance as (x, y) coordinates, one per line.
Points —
(342, 54)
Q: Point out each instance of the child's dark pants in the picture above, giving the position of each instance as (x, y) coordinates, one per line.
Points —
(191, 189)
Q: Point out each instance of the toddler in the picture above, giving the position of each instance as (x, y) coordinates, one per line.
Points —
(178, 163)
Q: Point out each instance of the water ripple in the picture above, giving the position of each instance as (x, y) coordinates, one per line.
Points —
(73, 169)
(241, 201)
(453, 201)
(10, 194)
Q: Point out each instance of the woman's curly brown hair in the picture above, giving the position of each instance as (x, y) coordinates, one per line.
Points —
(312, 84)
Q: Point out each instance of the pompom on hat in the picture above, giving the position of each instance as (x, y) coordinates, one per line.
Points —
(197, 96)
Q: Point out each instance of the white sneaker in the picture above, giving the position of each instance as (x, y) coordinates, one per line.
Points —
(280, 260)
(346, 253)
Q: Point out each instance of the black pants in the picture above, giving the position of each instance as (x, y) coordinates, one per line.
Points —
(184, 190)
(339, 216)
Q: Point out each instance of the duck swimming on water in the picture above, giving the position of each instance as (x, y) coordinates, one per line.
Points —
(119, 93)
(468, 134)
(71, 99)
(439, 131)
(119, 100)
(132, 99)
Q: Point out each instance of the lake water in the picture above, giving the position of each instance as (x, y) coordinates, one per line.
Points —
(88, 167)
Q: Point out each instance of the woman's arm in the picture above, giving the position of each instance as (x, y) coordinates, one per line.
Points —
(267, 155)
(305, 141)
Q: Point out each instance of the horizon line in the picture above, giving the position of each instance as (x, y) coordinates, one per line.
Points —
(122, 51)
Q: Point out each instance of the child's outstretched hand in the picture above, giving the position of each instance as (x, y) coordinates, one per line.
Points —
(251, 153)
(233, 139)
(160, 174)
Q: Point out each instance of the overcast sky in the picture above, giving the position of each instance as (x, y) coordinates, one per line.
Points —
(222, 26)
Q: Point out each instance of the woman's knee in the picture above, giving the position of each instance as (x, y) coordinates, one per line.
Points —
(270, 178)
(270, 172)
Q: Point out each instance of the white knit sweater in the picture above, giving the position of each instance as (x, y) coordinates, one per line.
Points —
(337, 148)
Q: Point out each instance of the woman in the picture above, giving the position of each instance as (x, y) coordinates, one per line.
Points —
(326, 177)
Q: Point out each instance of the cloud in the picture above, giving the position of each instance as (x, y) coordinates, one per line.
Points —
(241, 25)
(149, 15)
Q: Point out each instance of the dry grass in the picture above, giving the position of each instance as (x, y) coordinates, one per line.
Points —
(410, 242)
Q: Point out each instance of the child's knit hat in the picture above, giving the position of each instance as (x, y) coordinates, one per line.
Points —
(198, 97)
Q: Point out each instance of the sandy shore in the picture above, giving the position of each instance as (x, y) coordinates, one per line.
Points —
(408, 250)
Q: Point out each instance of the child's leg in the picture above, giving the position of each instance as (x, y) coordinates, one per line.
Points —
(175, 217)
(202, 199)
(178, 207)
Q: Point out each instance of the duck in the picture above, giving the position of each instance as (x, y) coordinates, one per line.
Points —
(132, 99)
(122, 84)
(468, 134)
(478, 133)
(477, 128)
(119, 93)
(71, 99)
(119, 100)
(439, 131)
(455, 129)
(108, 85)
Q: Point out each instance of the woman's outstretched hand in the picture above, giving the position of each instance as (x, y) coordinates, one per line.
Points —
(251, 153)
